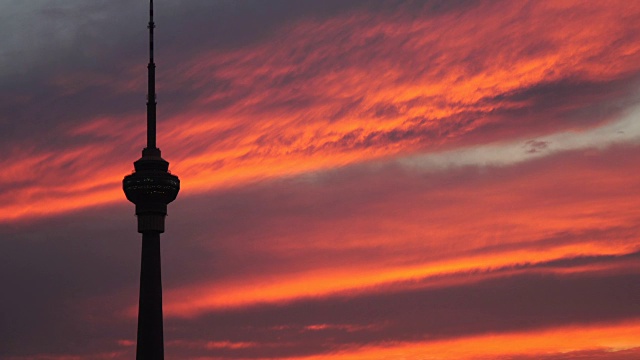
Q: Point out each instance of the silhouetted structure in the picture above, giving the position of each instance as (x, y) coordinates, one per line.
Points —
(151, 187)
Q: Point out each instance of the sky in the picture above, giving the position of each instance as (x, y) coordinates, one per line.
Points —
(360, 180)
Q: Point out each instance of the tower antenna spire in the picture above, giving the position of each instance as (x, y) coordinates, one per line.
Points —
(151, 92)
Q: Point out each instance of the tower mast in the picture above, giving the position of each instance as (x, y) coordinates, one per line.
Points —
(151, 188)
(151, 91)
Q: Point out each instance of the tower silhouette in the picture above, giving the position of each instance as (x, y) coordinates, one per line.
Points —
(150, 187)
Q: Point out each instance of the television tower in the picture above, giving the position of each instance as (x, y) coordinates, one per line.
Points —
(151, 187)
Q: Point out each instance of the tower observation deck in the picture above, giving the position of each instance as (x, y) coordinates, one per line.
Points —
(151, 187)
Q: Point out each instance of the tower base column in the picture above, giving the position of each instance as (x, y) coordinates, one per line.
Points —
(150, 332)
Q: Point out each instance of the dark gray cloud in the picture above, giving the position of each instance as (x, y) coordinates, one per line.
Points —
(534, 146)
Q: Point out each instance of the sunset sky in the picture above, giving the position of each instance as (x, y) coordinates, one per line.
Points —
(361, 180)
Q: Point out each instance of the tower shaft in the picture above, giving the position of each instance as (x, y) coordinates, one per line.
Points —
(150, 330)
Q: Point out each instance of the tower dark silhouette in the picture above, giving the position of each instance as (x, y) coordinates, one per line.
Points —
(151, 187)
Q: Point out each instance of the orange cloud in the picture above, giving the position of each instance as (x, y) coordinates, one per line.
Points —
(404, 82)
(417, 229)
(606, 338)
(201, 298)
